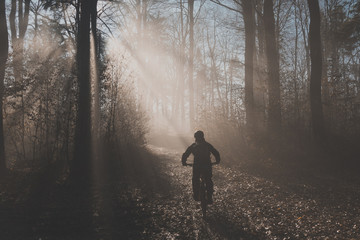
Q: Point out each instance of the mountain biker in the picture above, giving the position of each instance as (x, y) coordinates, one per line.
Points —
(202, 164)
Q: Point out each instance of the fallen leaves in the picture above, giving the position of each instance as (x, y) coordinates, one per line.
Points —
(160, 206)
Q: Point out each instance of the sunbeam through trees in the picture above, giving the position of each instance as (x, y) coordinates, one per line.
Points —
(100, 98)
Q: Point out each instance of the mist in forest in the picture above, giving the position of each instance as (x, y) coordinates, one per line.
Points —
(100, 101)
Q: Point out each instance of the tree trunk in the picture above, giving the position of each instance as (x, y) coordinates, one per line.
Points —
(249, 21)
(296, 88)
(272, 55)
(231, 101)
(95, 69)
(259, 80)
(182, 65)
(4, 50)
(82, 152)
(178, 105)
(316, 70)
(191, 62)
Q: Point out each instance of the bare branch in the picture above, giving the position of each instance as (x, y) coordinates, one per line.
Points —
(225, 6)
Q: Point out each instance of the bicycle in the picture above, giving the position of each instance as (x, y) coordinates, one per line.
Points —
(202, 193)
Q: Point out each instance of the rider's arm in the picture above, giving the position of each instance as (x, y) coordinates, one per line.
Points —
(185, 155)
(215, 153)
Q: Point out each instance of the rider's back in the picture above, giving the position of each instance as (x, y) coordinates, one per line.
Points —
(201, 151)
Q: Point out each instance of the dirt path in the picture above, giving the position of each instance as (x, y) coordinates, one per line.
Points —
(148, 196)
(245, 207)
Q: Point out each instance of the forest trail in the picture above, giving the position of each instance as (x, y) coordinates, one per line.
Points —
(245, 206)
(149, 196)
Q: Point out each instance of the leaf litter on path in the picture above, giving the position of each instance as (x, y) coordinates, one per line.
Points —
(245, 207)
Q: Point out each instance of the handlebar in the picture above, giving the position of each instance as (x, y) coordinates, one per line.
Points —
(191, 164)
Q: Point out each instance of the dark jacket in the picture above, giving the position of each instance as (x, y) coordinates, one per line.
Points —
(201, 151)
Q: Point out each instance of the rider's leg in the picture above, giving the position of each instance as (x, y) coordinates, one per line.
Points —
(196, 183)
(209, 184)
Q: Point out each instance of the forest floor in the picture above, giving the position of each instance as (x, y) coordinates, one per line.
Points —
(148, 196)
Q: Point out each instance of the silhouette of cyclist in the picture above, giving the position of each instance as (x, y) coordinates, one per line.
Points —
(202, 164)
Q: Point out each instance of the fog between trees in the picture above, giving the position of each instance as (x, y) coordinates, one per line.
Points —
(269, 75)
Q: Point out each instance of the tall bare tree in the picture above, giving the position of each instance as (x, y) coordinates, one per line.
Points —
(316, 69)
(95, 71)
(82, 152)
(4, 49)
(272, 55)
(182, 63)
(191, 61)
(248, 12)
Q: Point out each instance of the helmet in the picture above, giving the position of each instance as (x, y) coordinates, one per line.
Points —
(199, 135)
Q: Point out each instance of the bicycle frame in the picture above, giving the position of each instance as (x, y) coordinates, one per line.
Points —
(202, 193)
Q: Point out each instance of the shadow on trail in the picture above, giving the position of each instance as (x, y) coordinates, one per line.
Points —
(220, 224)
(111, 206)
(328, 185)
(46, 210)
(125, 184)
(142, 168)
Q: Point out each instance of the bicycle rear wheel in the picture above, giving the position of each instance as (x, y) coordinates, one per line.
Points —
(203, 200)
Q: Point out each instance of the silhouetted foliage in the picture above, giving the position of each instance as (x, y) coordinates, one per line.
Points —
(88, 88)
